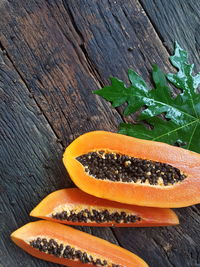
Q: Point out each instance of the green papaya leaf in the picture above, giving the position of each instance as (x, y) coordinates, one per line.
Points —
(181, 125)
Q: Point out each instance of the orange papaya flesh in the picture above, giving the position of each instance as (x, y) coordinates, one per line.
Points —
(64, 245)
(134, 171)
(75, 207)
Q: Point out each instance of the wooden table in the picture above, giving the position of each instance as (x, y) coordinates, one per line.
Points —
(53, 55)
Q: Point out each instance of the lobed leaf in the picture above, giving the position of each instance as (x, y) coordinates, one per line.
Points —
(182, 126)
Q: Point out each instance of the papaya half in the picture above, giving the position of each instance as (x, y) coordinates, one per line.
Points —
(75, 207)
(70, 247)
(134, 171)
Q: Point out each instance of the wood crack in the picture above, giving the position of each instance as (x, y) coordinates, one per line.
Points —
(116, 237)
(93, 70)
(155, 27)
(91, 66)
(168, 258)
(4, 51)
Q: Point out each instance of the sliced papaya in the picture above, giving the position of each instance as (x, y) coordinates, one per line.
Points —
(64, 245)
(134, 171)
(75, 207)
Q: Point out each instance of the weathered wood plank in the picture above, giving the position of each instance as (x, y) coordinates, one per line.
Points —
(117, 35)
(177, 20)
(30, 161)
(50, 61)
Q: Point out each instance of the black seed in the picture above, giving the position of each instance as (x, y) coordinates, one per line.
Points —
(90, 258)
(87, 260)
(78, 253)
(74, 219)
(55, 250)
(66, 251)
(68, 248)
(61, 247)
(45, 248)
(40, 247)
(125, 220)
(98, 262)
(139, 169)
(85, 255)
(67, 256)
(50, 247)
(98, 217)
(38, 243)
(53, 242)
(34, 244)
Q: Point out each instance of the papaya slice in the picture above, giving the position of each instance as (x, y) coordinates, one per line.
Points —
(64, 245)
(134, 171)
(75, 207)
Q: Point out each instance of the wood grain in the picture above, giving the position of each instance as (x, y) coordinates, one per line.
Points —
(54, 54)
(177, 21)
(30, 160)
(49, 60)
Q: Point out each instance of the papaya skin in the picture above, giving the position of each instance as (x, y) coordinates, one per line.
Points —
(74, 196)
(76, 238)
(182, 194)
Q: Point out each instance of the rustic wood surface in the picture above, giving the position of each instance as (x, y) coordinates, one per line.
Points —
(54, 53)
